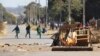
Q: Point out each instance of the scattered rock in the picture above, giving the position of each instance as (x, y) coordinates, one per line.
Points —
(28, 50)
(40, 48)
(98, 46)
(7, 44)
(2, 46)
(19, 47)
(24, 44)
(30, 44)
(36, 44)
(4, 50)
(20, 44)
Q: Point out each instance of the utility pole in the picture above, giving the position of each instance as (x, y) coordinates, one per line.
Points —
(69, 10)
(39, 11)
(84, 13)
(60, 18)
(36, 12)
(46, 19)
(28, 12)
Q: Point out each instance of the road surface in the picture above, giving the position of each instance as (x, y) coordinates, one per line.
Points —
(10, 37)
(50, 53)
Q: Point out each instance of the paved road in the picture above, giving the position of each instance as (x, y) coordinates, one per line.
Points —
(50, 53)
(10, 37)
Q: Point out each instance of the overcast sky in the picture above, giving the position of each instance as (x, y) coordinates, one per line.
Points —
(15, 3)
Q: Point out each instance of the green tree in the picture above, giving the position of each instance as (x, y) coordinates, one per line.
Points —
(55, 8)
(6, 16)
(34, 12)
(60, 7)
(77, 9)
(10, 18)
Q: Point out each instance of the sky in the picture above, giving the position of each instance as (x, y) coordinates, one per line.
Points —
(16, 3)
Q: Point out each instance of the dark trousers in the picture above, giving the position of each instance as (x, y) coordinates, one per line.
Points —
(28, 33)
(16, 35)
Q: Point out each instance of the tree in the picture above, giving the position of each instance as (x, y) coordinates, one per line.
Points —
(60, 7)
(92, 9)
(55, 8)
(34, 12)
(10, 18)
(6, 16)
(77, 9)
(2, 11)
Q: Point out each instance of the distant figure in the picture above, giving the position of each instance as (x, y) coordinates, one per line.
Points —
(43, 30)
(56, 40)
(28, 31)
(52, 26)
(17, 30)
(39, 31)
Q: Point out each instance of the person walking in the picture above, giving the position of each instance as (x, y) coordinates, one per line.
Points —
(17, 30)
(28, 31)
(52, 25)
(39, 31)
(43, 30)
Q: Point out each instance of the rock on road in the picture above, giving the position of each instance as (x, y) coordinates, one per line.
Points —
(10, 39)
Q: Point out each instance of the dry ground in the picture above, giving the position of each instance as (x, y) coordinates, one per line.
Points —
(38, 49)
